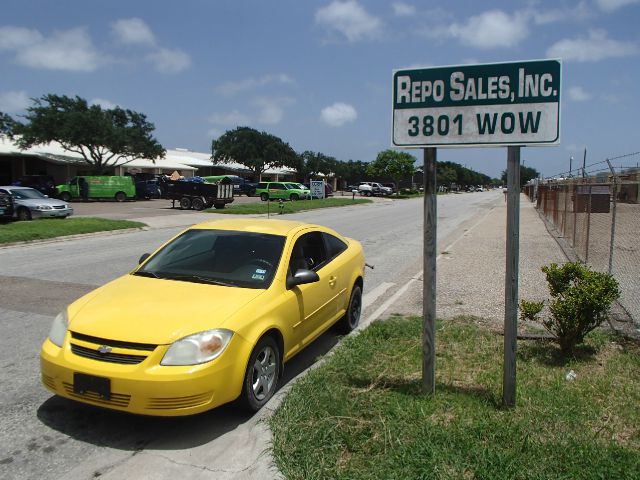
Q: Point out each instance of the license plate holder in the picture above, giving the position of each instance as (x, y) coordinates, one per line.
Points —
(83, 383)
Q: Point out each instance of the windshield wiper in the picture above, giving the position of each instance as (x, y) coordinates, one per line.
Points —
(195, 278)
(146, 273)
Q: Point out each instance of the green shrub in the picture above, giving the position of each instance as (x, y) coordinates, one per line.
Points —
(530, 310)
(580, 301)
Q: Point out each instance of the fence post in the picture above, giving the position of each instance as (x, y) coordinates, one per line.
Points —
(575, 214)
(613, 216)
(586, 248)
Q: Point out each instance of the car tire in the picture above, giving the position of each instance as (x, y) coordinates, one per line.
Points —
(120, 197)
(65, 196)
(367, 194)
(351, 319)
(262, 374)
(264, 196)
(197, 204)
(218, 206)
(23, 214)
(185, 203)
(294, 197)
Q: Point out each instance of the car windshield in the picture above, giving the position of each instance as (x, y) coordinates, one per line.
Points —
(218, 257)
(26, 193)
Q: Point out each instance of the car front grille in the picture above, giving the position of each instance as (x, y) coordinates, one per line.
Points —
(107, 357)
(88, 346)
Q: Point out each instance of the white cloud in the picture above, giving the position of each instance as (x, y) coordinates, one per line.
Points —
(349, 19)
(14, 101)
(492, 29)
(15, 38)
(579, 94)
(70, 50)
(401, 9)
(133, 31)
(271, 110)
(612, 5)
(230, 119)
(338, 114)
(166, 60)
(105, 104)
(234, 87)
(596, 47)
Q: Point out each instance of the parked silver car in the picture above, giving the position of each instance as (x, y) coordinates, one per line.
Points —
(30, 203)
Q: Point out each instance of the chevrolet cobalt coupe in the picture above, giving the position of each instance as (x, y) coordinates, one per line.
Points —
(210, 317)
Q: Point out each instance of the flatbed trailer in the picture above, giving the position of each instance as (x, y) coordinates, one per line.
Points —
(199, 195)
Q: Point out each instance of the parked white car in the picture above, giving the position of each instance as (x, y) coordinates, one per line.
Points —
(29, 203)
(373, 188)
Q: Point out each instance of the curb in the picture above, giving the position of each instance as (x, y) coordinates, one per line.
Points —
(64, 238)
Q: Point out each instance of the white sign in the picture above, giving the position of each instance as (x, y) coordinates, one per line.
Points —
(317, 188)
(471, 105)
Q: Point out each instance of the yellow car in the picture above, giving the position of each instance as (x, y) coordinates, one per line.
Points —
(210, 317)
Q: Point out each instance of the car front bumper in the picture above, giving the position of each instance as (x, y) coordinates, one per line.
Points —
(56, 213)
(149, 388)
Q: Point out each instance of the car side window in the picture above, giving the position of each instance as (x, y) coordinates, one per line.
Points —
(335, 246)
(308, 253)
(277, 186)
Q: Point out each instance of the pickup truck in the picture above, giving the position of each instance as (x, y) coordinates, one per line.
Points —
(373, 188)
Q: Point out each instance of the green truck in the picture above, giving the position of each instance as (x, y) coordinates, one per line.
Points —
(120, 188)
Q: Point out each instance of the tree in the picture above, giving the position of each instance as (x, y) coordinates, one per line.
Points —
(309, 164)
(253, 149)
(6, 124)
(393, 165)
(103, 137)
(526, 174)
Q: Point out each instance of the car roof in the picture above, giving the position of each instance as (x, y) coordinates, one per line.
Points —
(12, 187)
(257, 225)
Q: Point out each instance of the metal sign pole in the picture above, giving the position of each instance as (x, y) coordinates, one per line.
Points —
(429, 275)
(511, 278)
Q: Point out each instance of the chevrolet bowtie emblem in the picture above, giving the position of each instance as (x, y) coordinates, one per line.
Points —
(104, 349)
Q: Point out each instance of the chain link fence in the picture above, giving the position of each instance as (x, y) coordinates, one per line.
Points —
(600, 219)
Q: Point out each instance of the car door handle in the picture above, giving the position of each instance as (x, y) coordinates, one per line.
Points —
(332, 281)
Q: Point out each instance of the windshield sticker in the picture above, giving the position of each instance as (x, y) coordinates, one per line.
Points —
(256, 276)
(259, 270)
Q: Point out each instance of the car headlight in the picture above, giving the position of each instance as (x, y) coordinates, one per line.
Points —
(198, 348)
(59, 328)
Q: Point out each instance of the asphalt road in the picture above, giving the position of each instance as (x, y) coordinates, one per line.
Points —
(42, 436)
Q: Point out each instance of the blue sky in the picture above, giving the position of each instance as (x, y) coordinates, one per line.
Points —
(318, 73)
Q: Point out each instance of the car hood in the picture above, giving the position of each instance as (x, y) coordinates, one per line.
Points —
(157, 311)
(34, 202)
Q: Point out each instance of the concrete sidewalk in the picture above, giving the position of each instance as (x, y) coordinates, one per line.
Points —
(471, 269)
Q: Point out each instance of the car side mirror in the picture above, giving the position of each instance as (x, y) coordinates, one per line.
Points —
(302, 277)
(143, 257)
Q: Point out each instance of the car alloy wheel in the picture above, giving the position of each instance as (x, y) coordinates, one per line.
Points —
(264, 197)
(24, 214)
(350, 321)
(263, 372)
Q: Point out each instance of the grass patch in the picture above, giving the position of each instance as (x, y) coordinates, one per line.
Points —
(289, 207)
(362, 414)
(54, 227)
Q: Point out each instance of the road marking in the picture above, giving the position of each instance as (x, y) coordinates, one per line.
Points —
(370, 297)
